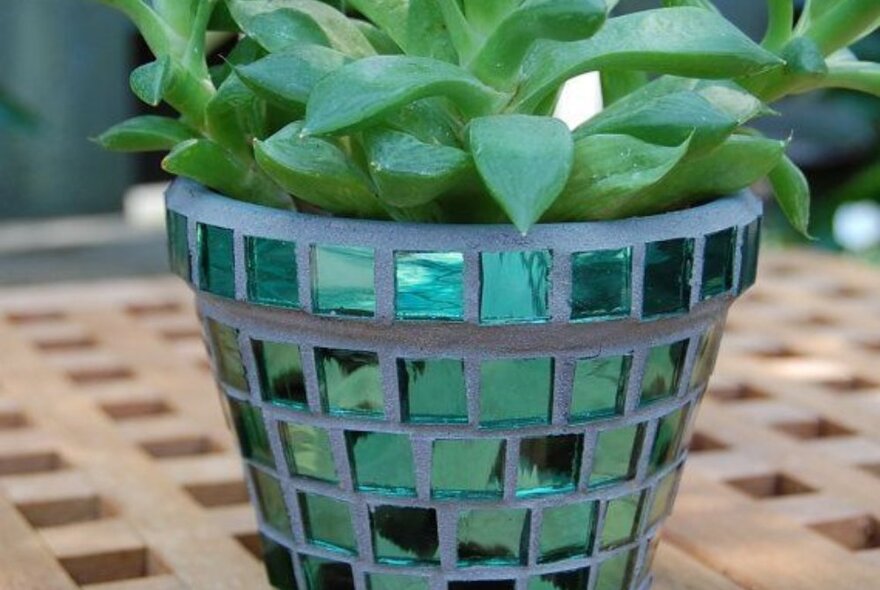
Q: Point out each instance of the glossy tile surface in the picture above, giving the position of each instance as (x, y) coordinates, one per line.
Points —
(621, 521)
(516, 391)
(178, 244)
(405, 536)
(599, 389)
(308, 452)
(663, 369)
(468, 468)
(324, 574)
(567, 531)
(667, 283)
(251, 432)
(382, 462)
(433, 391)
(493, 537)
(270, 500)
(615, 455)
(281, 374)
(429, 285)
(350, 382)
(548, 465)
(343, 281)
(216, 260)
(223, 340)
(718, 261)
(601, 285)
(272, 272)
(515, 287)
(327, 523)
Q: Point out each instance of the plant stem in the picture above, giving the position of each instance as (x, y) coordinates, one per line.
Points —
(194, 54)
(780, 25)
(843, 24)
(160, 38)
(854, 75)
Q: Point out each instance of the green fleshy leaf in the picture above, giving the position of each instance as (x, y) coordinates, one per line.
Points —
(236, 116)
(410, 173)
(430, 120)
(206, 162)
(276, 24)
(147, 133)
(287, 78)
(389, 15)
(426, 32)
(486, 15)
(246, 51)
(689, 42)
(149, 81)
(524, 161)
(499, 61)
(358, 94)
(318, 171)
(618, 84)
(177, 13)
(382, 43)
(793, 194)
(704, 4)
(608, 170)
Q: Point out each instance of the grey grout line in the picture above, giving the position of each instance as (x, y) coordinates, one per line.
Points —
(472, 380)
(537, 518)
(341, 459)
(560, 287)
(239, 266)
(563, 387)
(309, 358)
(390, 387)
(697, 266)
(511, 468)
(385, 290)
(472, 281)
(637, 286)
(304, 274)
(422, 458)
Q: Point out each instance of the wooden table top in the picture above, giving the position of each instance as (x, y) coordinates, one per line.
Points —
(117, 471)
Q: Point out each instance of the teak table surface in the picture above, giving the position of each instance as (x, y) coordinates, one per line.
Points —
(117, 470)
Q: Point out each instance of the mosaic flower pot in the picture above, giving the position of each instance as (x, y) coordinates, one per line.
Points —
(427, 407)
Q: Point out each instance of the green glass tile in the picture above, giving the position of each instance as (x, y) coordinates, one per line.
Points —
(572, 580)
(429, 285)
(668, 268)
(394, 582)
(350, 382)
(515, 287)
(405, 536)
(279, 565)
(227, 356)
(650, 557)
(281, 374)
(751, 247)
(514, 392)
(272, 272)
(601, 285)
(668, 439)
(382, 462)
(178, 244)
(621, 521)
(270, 499)
(216, 260)
(251, 430)
(664, 496)
(616, 573)
(599, 389)
(718, 263)
(324, 574)
(467, 468)
(493, 537)
(548, 465)
(483, 585)
(707, 354)
(616, 455)
(327, 523)
(567, 531)
(308, 452)
(343, 281)
(433, 391)
(663, 369)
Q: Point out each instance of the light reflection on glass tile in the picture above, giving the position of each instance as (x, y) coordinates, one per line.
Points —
(279, 565)
(350, 382)
(616, 573)
(468, 468)
(515, 287)
(281, 374)
(178, 244)
(405, 536)
(430, 285)
(272, 272)
(324, 574)
(571, 580)
(251, 431)
(308, 452)
(663, 369)
(433, 391)
(750, 252)
(493, 537)
(616, 455)
(343, 280)
(718, 263)
(621, 521)
(668, 439)
(548, 465)
(707, 354)
(515, 392)
(599, 389)
(395, 582)
(664, 496)
(327, 523)
(668, 267)
(567, 531)
(382, 462)
(226, 354)
(216, 260)
(270, 499)
(483, 585)
(601, 285)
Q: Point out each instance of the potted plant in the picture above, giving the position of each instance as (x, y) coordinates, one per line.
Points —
(462, 346)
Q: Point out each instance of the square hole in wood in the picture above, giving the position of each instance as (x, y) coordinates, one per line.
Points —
(97, 374)
(31, 462)
(115, 566)
(67, 511)
(859, 533)
(872, 468)
(181, 333)
(12, 419)
(773, 485)
(735, 393)
(253, 544)
(184, 446)
(35, 316)
(65, 343)
(814, 429)
(148, 308)
(212, 495)
(703, 443)
(849, 385)
(136, 408)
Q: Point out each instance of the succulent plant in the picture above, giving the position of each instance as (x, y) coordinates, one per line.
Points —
(441, 110)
